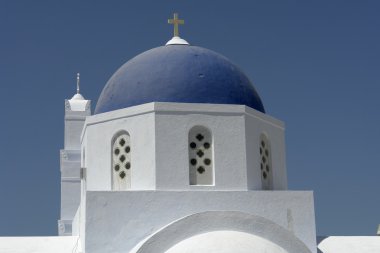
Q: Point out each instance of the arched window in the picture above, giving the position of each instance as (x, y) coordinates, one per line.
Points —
(201, 162)
(121, 162)
(265, 163)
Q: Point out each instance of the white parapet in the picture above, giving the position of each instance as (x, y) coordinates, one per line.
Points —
(350, 244)
(40, 244)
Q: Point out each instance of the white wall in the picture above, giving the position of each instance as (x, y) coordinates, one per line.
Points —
(74, 121)
(98, 134)
(70, 162)
(159, 144)
(350, 244)
(40, 244)
(225, 242)
(117, 221)
(172, 149)
(256, 124)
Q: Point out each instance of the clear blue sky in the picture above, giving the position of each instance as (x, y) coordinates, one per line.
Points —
(316, 65)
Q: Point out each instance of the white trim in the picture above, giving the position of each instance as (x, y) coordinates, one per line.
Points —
(179, 108)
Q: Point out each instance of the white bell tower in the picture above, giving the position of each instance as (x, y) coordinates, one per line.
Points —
(76, 110)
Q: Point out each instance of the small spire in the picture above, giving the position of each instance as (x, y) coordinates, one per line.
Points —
(78, 96)
(78, 81)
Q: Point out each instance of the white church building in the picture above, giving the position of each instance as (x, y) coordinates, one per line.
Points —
(179, 156)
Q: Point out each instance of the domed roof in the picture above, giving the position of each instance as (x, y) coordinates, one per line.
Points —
(178, 73)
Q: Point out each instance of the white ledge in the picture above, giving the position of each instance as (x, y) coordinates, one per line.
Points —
(177, 41)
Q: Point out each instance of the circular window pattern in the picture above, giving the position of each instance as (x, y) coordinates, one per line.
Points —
(199, 137)
(200, 156)
(265, 165)
(121, 162)
(201, 170)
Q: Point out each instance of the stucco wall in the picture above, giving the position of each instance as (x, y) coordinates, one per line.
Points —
(40, 244)
(99, 132)
(117, 221)
(350, 244)
(255, 125)
(159, 146)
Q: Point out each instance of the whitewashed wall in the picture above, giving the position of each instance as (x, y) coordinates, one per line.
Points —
(76, 112)
(159, 146)
(118, 221)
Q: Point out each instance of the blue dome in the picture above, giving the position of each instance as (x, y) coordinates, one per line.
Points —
(178, 73)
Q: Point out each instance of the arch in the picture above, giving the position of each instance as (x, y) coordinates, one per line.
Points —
(210, 221)
(201, 156)
(225, 241)
(266, 169)
(121, 161)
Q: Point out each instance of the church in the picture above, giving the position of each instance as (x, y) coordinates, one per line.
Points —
(179, 156)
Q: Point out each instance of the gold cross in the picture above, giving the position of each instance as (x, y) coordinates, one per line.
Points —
(175, 21)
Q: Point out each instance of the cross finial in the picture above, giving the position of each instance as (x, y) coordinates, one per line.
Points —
(78, 80)
(175, 21)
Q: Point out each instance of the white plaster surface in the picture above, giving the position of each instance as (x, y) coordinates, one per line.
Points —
(213, 221)
(159, 138)
(48, 244)
(76, 223)
(76, 111)
(78, 103)
(99, 151)
(225, 242)
(350, 244)
(74, 120)
(118, 221)
(255, 125)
